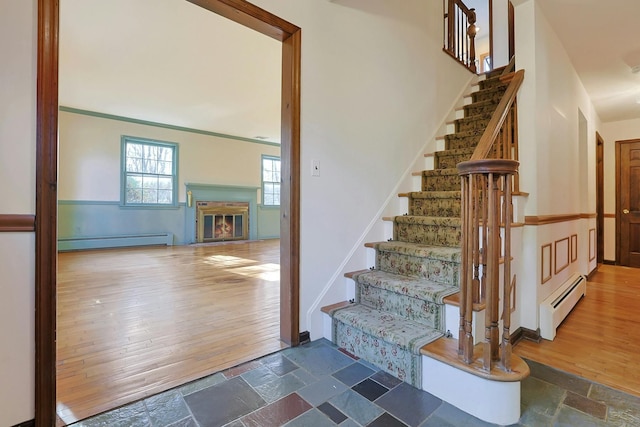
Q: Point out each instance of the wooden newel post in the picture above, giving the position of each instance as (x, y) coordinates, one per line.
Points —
(471, 34)
(486, 209)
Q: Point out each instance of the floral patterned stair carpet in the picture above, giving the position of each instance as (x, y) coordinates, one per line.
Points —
(399, 303)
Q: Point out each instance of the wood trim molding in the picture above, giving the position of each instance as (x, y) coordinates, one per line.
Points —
(592, 244)
(545, 277)
(525, 334)
(609, 215)
(46, 211)
(574, 248)
(249, 15)
(558, 269)
(17, 223)
(551, 219)
(588, 215)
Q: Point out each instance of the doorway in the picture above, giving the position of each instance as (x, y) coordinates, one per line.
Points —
(600, 197)
(239, 11)
(628, 203)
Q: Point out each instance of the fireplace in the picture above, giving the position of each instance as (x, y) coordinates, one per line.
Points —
(222, 221)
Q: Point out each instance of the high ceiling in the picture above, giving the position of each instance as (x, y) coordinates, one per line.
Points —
(171, 62)
(601, 38)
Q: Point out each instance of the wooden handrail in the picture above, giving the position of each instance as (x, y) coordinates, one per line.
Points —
(489, 179)
(498, 118)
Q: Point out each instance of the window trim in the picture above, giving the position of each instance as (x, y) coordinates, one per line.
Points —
(123, 172)
(262, 181)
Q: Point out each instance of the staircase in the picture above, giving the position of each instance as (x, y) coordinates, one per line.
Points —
(399, 304)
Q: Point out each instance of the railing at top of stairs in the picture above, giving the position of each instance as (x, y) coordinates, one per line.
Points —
(489, 180)
(460, 33)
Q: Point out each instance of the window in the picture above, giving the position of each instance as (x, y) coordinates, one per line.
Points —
(270, 181)
(149, 171)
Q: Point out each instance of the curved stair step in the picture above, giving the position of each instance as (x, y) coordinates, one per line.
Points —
(386, 340)
(413, 287)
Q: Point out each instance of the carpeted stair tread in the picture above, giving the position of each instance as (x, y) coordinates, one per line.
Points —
(456, 151)
(413, 287)
(491, 82)
(441, 253)
(428, 220)
(435, 194)
(392, 328)
(464, 134)
(440, 172)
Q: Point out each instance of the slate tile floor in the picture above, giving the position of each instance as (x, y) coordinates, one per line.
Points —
(318, 385)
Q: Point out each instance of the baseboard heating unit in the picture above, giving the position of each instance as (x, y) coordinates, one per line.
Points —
(557, 306)
(101, 242)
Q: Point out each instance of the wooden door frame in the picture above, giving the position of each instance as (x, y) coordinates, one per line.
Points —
(599, 198)
(618, 189)
(239, 11)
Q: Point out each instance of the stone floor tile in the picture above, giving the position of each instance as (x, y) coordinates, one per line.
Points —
(312, 418)
(305, 376)
(562, 379)
(541, 396)
(531, 418)
(370, 389)
(134, 415)
(166, 408)
(410, 405)
(277, 413)
(322, 390)
(613, 397)
(236, 423)
(279, 387)
(349, 423)
(353, 374)
(223, 403)
(569, 417)
(203, 383)
(332, 412)
(586, 405)
(386, 379)
(321, 360)
(451, 415)
(187, 422)
(259, 376)
(386, 420)
(241, 369)
(279, 364)
(356, 407)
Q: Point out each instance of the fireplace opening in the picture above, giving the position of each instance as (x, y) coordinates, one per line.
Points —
(220, 221)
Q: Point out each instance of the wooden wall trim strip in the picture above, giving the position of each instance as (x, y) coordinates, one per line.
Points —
(17, 223)
(46, 212)
(551, 219)
(609, 215)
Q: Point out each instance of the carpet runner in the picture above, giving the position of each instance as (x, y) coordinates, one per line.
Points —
(399, 306)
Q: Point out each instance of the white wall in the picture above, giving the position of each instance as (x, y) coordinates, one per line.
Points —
(17, 196)
(612, 132)
(89, 158)
(375, 88)
(557, 167)
(500, 33)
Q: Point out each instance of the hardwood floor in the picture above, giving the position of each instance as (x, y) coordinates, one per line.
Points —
(135, 322)
(600, 339)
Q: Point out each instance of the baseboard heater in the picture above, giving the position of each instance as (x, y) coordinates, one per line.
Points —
(557, 306)
(101, 242)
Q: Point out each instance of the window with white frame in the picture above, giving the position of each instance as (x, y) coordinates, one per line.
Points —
(270, 181)
(149, 170)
